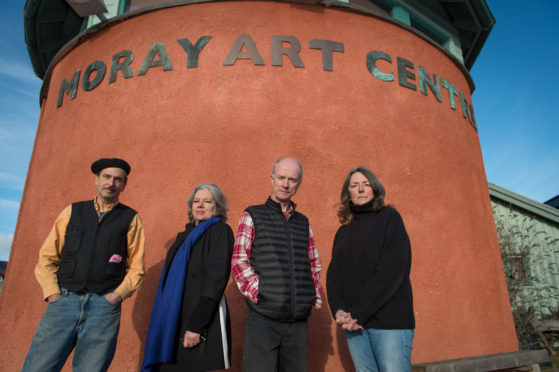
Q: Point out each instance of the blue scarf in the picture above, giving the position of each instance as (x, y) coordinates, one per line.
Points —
(161, 340)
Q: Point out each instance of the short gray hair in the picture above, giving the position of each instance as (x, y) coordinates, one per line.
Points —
(221, 206)
(300, 177)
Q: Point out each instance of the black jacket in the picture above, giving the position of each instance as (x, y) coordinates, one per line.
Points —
(369, 272)
(207, 275)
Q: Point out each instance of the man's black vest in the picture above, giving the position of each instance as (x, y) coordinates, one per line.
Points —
(280, 257)
(86, 264)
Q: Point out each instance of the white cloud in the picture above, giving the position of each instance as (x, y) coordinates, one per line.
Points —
(10, 134)
(8, 215)
(23, 73)
(16, 144)
(8, 204)
(5, 246)
(11, 181)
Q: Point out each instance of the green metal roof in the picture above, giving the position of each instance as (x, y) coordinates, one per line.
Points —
(470, 20)
(48, 24)
(532, 206)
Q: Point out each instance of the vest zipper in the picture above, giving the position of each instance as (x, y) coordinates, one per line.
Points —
(292, 277)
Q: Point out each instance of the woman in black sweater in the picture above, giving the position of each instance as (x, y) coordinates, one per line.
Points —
(368, 284)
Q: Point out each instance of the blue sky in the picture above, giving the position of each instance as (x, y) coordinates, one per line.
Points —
(516, 98)
(515, 102)
(19, 114)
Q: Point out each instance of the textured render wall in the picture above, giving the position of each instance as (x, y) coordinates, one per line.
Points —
(227, 124)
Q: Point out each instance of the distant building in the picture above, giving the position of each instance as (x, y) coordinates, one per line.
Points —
(529, 239)
(554, 202)
(3, 265)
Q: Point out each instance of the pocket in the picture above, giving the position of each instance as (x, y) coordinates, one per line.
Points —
(117, 244)
(55, 301)
(73, 242)
(66, 268)
(114, 270)
(110, 303)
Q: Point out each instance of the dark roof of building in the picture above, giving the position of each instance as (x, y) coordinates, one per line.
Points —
(553, 202)
(50, 24)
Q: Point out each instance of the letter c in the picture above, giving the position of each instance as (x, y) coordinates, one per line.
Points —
(372, 58)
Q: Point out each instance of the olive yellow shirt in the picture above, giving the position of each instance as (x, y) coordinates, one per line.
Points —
(50, 253)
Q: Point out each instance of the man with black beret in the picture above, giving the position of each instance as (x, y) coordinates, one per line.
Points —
(91, 261)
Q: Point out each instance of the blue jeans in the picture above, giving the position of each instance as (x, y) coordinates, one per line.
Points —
(380, 350)
(86, 321)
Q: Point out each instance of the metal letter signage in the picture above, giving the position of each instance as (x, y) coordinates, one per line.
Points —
(127, 57)
(425, 80)
(163, 61)
(235, 53)
(66, 87)
(100, 68)
(292, 52)
(327, 47)
(372, 58)
(289, 46)
(193, 50)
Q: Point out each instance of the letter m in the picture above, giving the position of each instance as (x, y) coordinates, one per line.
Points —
(66, 87)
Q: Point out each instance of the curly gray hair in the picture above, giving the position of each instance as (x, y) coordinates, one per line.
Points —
(221, 206)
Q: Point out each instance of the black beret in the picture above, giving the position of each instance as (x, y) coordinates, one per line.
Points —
(98, 165)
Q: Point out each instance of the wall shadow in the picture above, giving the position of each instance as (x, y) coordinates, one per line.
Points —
(319, 334)
(320, 338)
(145, 295)
(343, 351)
(319, 347)
(238, 311)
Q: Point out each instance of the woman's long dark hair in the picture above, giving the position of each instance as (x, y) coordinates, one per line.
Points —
(344, 212)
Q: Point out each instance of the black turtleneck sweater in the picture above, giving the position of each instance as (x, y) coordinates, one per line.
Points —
(370, 268)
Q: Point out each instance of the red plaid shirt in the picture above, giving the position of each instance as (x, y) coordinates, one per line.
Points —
(246, 278)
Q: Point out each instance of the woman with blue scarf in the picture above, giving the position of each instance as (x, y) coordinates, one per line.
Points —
(190, 327)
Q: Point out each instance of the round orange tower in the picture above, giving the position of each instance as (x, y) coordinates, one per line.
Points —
(216, 92)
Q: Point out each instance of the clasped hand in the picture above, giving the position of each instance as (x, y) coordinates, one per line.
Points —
(191, 339)
(346, 321)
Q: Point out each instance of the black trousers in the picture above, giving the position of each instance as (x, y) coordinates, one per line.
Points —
(272, 346)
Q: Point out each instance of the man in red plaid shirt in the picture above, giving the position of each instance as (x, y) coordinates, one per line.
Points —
(277, 268)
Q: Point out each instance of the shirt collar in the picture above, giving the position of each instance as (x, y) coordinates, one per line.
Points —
(98, 209)
(275, 205)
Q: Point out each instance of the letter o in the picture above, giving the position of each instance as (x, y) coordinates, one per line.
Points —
(98, 66)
